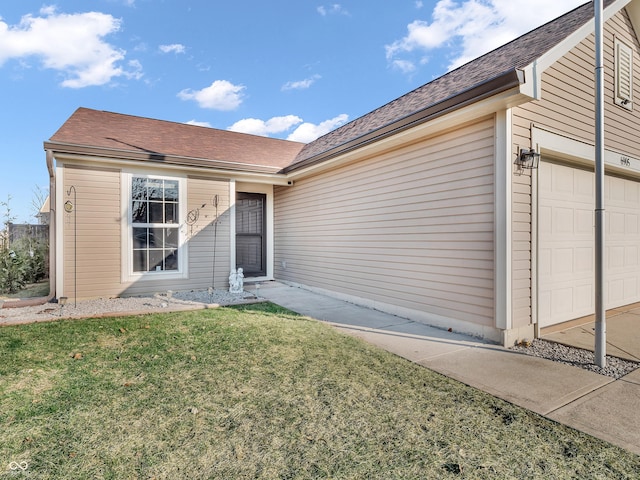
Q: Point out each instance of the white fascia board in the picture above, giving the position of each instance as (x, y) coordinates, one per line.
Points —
(252, 177)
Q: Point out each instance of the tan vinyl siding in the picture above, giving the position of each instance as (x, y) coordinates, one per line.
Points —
(201, 238)
(521, 248)
(96, 263)
(411, 228)
(92, 254)
(567, 108)
(206, 234)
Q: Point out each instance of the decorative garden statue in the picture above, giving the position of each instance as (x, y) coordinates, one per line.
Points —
(236, 281)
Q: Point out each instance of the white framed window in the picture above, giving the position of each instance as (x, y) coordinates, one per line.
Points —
(155, 213)
(624, 75)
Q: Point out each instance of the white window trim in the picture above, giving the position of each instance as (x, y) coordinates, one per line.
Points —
(128, 275)
(622, 52)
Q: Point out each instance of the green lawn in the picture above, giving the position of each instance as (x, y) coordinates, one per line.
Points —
(258, 392)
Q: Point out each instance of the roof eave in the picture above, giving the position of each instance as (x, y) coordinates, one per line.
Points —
(498, 84)
(155, 158)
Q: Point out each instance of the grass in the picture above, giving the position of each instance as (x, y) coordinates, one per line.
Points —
(258, 392)
(40, 289)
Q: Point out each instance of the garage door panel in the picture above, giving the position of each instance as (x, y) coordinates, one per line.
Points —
(631, 224)
(584, 260)
(631, 255)
(584, 221)
(563, 220)
(562, 261)
(630, 288)
(615, 222)
(584, 187)
(544, 220)
(566, 243)
(565, 301)
(631, 193)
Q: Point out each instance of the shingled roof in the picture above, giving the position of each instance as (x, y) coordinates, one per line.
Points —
(489, 74)
(125, 136)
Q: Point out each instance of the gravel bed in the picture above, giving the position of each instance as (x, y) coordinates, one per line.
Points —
(577, 357)
(109, 306)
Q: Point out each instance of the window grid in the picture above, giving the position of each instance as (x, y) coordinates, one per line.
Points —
(155, 224)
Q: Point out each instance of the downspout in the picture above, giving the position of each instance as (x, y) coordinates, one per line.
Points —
(600, 347)
(29, 302)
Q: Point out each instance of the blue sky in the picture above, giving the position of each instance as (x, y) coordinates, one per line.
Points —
(284, 68)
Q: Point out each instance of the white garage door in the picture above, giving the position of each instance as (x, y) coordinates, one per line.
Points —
(566, 242)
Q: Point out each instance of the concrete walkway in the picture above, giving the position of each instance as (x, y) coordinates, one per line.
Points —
(622, 327)
(598, 405)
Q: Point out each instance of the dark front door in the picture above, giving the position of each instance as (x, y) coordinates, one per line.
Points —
(250, 234)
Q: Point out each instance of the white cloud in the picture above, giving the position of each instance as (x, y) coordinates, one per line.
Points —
(220, 95)
(301, 84)
(471, 28)
(307, 132)
(72, 44)
(263, 128)
(405, 66)
(198, 124)
(173, 48)
(333, 9)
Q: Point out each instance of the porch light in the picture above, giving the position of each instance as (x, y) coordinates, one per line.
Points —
(528, 158)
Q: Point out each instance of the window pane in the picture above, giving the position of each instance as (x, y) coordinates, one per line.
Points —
(156, 212)
(171, 213)
(171, 190)
(140, 238)
(171, 237)
(139, 261)
(156, 258)
(154, 189)
(156, 237)
(171, 260)
(139, 188)
(139, 212)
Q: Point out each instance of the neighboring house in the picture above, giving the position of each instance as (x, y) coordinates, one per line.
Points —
(416, 208)
(44, 212)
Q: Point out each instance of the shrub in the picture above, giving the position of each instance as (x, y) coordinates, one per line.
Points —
(12, 271)
(23, 263)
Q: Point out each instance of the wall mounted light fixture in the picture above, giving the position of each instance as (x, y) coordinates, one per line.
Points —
(527, 158)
